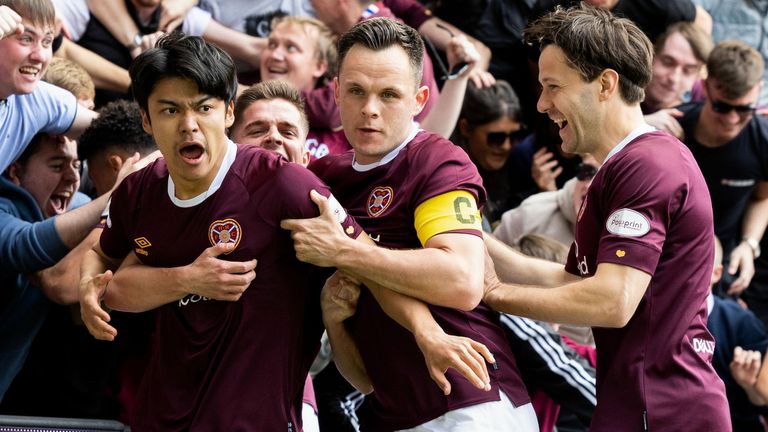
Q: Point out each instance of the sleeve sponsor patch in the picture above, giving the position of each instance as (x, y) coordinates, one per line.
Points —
(455, 210)
(338, 211)
(627, 223)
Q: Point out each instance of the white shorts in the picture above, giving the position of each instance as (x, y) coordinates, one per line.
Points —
(498, 415)
(309, 418)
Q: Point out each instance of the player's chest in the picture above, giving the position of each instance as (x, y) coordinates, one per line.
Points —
(168, 235)
(384, 209)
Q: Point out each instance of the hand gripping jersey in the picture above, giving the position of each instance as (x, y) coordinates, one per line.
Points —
(384, 201)
(221, 365)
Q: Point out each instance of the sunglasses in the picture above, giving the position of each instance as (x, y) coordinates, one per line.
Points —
(497, 139)
(585, 171)
(725, 108)
(457, 69)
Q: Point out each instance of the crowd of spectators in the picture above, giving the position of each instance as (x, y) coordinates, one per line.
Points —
(70, 132)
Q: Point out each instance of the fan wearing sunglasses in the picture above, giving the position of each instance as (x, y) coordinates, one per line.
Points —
(489, 127)
(730, 144)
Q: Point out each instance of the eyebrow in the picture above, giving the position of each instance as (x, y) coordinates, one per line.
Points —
(194, 103)
(283, 123)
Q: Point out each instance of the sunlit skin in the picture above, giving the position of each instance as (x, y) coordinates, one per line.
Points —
(675, 70)
(51, 175)
(274, 125)
(378, 97)
(25, 58)
(592, 116)
(715, 129)
(291, 56)
(490, 158)
(568, 101)
(189, 129)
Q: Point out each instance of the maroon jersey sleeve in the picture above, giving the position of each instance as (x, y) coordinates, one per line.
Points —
(115, 239)
(293, 183)
(444, 168)
(638, 208)
(411, 12)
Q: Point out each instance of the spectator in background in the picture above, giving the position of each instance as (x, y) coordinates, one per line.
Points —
(71, 76)
(745, 20)
(680, 54)
(29, 107)
(490, 125)
(741, 341)
(730, 145)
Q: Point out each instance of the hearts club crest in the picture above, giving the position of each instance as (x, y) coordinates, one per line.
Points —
(380, 199)
(225, 231)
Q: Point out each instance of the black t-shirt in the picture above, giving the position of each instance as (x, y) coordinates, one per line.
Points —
(652, 16)
(732, 171)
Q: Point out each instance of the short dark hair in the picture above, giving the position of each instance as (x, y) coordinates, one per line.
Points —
(188, 57)
(594, 40)
(381, 33)
(269, 90)
(487, 104)
(35, 11)
(734, 68)
(32, 148)
(118, 125)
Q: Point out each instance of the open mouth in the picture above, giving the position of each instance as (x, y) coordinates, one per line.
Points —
(60, 201)
(192, 153)
(277, 70)
(29, 71)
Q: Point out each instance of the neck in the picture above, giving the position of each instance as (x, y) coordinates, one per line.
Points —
(186, 188)
(144, 12)
(623, 120)
(703, 132)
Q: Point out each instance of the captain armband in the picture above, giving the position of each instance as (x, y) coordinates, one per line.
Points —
(451, 211)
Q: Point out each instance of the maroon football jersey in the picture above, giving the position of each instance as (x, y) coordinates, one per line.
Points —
(649, 208)
(383, 200)
(323, 142)
(220, 365)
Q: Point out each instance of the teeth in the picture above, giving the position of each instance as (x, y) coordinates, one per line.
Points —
(29, 70)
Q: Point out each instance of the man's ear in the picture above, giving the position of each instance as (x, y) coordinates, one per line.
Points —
(115, 162)
(464, 128)
(146, 123)
(422, 96)
(335, 85)
(320, 69)
(14, 173)
(230, 115)
(609, 83)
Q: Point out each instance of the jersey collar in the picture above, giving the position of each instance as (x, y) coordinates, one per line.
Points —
(636, 132)
(389, 156)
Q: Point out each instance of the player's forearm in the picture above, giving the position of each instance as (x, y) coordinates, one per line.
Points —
(516, 268)
(441, 38)
(608, 299)
(409, 312)
(74, 225)
(444, 115)
(139, 288)
(347, 358)
(432, 275)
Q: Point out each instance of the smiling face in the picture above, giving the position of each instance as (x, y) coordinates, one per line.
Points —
(189, 129)
(722, 127)
(291, 55)
(569, 101)
(25, 59)
(675, 69)
(51, 174)
(490, 157)
(274, 125)
(378, 97)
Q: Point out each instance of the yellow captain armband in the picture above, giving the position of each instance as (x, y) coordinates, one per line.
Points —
(454, 210)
